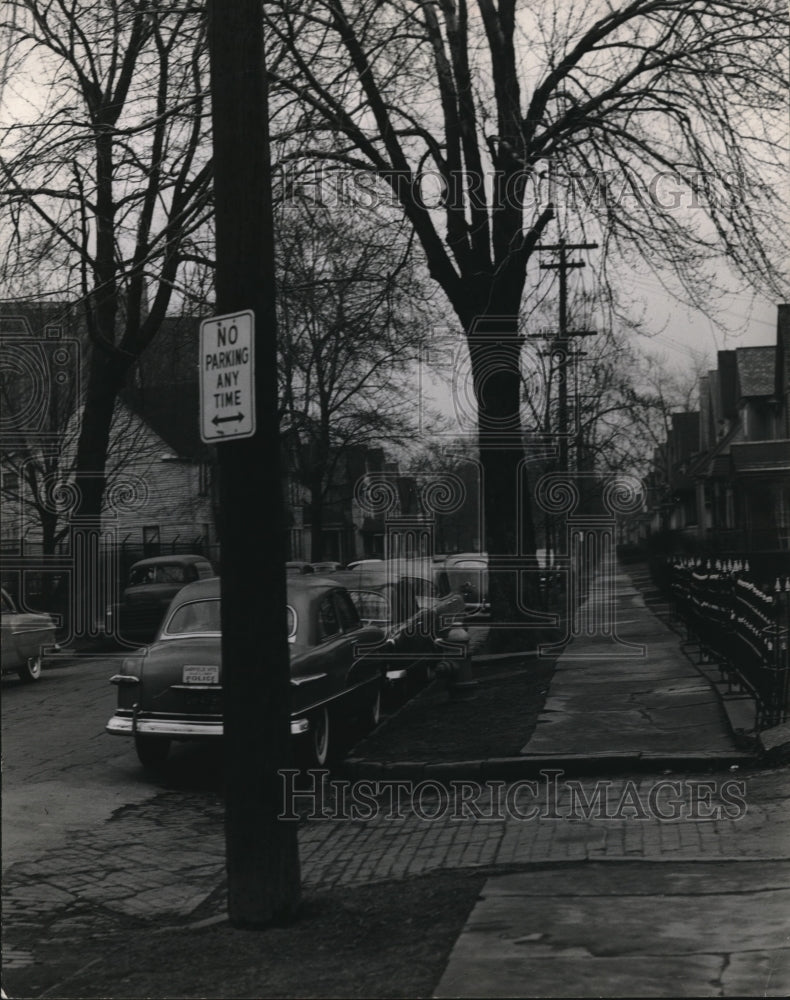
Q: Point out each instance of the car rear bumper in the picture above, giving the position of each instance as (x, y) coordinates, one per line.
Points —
(179, 729)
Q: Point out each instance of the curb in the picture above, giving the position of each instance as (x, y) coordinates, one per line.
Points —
(515, 768)
(774, 743)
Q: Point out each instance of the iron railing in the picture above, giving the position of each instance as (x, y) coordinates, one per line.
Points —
(740, 625)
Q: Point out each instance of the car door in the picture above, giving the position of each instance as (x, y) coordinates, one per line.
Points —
(361, 669)
(328, 660)
(8, 650)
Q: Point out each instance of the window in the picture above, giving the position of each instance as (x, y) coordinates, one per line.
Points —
(162, 574)
(290, 623)
(421, 587)
(371, 607)
(349, 619)
(197, 616)
(328, 623)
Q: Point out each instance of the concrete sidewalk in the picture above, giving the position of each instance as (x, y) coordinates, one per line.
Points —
(631, 926)
(631, 696)
(627, 929)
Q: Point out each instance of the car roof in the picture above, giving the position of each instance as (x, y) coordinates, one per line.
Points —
(365, 576)
(209, 587)
(180, 560)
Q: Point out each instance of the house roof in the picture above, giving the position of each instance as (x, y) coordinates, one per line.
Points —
(173, 413)
(163, 390)
(34, 316)
(756, 370)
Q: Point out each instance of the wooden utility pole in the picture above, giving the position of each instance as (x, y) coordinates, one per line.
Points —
(261, 850)
(560, 344)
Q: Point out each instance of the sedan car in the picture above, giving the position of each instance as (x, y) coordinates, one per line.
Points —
(298, 566)
(25, 637)
(407, 608)
(172, 690)
(151, 585)
(467, 572)
(432, 587)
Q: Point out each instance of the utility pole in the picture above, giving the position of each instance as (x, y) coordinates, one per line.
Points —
(262, 856)
(560, 344)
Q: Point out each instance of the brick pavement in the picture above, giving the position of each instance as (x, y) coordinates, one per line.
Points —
(160, 860)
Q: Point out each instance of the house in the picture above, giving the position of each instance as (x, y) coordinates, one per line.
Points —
(159, 495)
(730, 477)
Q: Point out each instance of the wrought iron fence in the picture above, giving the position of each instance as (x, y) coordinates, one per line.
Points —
(740, 625)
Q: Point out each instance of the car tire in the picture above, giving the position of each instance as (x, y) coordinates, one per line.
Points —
(152, 751)
(31, 672)
(317, 744)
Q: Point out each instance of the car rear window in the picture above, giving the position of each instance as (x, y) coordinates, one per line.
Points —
(196, 616)
(370, 605)
(422, 587)
(161, 574)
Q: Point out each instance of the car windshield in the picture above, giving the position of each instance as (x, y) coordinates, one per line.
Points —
(158, 574)
(370, 605)
(196, 616)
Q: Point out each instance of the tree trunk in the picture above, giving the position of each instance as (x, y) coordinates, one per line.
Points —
(495, 349)
(316, 520)
(106, 376)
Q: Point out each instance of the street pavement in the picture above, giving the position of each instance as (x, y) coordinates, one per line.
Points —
(671, 882)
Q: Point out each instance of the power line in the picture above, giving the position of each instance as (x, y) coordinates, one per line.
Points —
(560, 343)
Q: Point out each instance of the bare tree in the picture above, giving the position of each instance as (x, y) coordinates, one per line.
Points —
(105, 179)
(462, 113)
(38, 453)
(354, 313)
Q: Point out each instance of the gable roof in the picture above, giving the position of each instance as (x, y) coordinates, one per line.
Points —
(163, 389)
(173, 413)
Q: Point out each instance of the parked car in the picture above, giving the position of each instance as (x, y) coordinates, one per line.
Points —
(25, 636)
(172, 690)
(327, 567)
(432, 587)
(151, 585)
(412, 616)
(297, 567)
(467, 573)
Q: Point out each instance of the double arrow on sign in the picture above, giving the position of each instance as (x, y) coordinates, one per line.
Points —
(225, 420)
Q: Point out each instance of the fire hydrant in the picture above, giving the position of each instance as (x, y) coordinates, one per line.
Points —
(456, 668)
